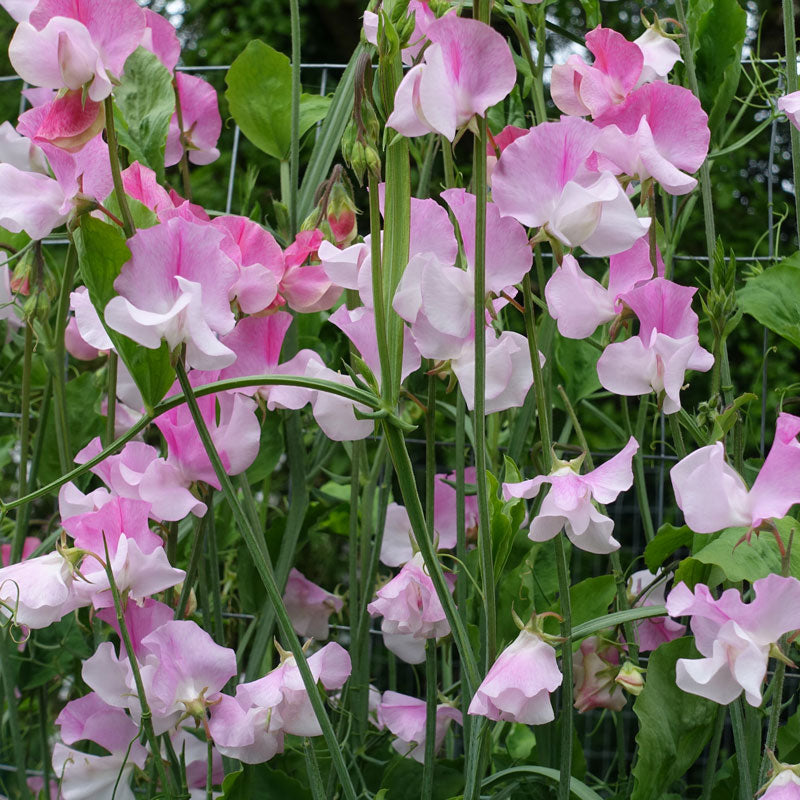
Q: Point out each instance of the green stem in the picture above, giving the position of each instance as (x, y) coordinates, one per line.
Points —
(128, 224)
(44, 743)
(209, 770)
(430, 454)
(270, 584)
(111, 391)
(740, 745)
(184, 162)
(677, 435)
(294, 151)
(538, 377)
(194, 562)
(312, 769)
(20, 525)
(429, 764)
(713, 754)
(541, 52)
(378, 294)
(213, 570)
(562, 567)
(774, 719)
(12, 713)
(791, 86)
(638, 469)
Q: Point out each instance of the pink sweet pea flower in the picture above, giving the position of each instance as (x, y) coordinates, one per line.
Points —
(202, 123)
(574, 205)
(19, 10)
(423, 17)
(652, 632)
(579, 303)
(309, 606)
(176, 287)
(306, 287)
(785, 785)
(735, 637)
(28, 546)
(569, 503)
(518, 685)
(660, 55)
(579, 89)
(498, 143)
(66, 45)
(19, 151)
(411, 612)
(594, 668)
(659, 132)
(141, 619)
(251, 726)
(790, 105)
(466, 69)
(160, 38)
(713, 496)
(404, 716)
(657, 358)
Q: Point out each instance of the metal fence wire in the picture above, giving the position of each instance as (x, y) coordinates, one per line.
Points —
(598, 736)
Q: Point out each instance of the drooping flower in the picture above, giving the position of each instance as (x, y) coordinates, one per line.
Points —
(653, 631)
(784, 784)
(466, 69)
(404, 716)
(309, 606)
(202, 123)
(518, 685)
(595, 666)
(570, 502)
(713, 496)
(735, 638)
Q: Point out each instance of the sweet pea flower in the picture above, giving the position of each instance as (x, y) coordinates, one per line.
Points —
(660, 53)
(66, 45)
(397, 544)
(735, 638)
(659, 132)
(309, 606)
(570, 502)
(423, 17)
(651, 632)
(784, 785)
(251, 725)
(19, 10)
(666, 345)
(85, 776)
(713, 496)
(496, 145)
(594, 669)
(202, 123)
(466, 69)
(19, 151)
(790, 105)
(518, 685)
(160, 38)
(175, 287)
(306, 287)
(578, 207)
(411, 612)
(404, 716)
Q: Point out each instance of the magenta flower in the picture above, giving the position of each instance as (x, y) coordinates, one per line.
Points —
(573, 204)
(570, 502)
(595, 667)
(160, 38)
(202, 123)
(666, 346)
(713, 496)
(175, 287)
(652, 632)
(404, 716)
(518, 685)
(66, 45)
(411, 612)
(735, 638)
(309, 606)
(466, 69)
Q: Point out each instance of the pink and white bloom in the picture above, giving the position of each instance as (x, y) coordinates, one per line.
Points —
(790, 105)
(595, 666)
(404, 716)
(309, 606)
(423, 17)
(656, 359)
(306, 287)
(735, 638)
(578, 207)
(570, 503)
(652, 632)
(202, 123)
(411, 612)
(518, 685)
(785, 785)
(66, 45)
(176, 287)
(466, 69)
(713, 496)
(660, 55)
(19, 151)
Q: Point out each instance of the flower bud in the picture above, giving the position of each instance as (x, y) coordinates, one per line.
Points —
(630, 678)
(341, 214)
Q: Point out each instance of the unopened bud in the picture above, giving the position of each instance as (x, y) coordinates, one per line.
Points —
(341, 214)
(630, 678)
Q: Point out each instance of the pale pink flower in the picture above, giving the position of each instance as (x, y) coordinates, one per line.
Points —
(518, 685)
(466, 69)
(411, 612)
(309, 606)
(423, 17)
(19, 10)
(19, 151)
(202, 123)
(656, 359)
(652, 632)
(397, 545)
(594, 668)
(160, 38)
(660, 55)
(713, 496)
(734, 637)
(496, 145)
(785, 785)
(573, 204)
(570, 503)
(28, 546)
(790, 105)
(176, 287)
(405, 717)
(306, 287)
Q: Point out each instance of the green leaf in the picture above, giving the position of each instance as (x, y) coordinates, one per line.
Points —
(403, 777)
(313, 108)
(674, 726)
(576, 787)
(667, 540)
(505, 519)
(101, 253)
(591, 598)
(261, 782)
(520, 741)
(773, 298)
(727, 419)
(143, 107)
(717, 29)
(576, 362)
